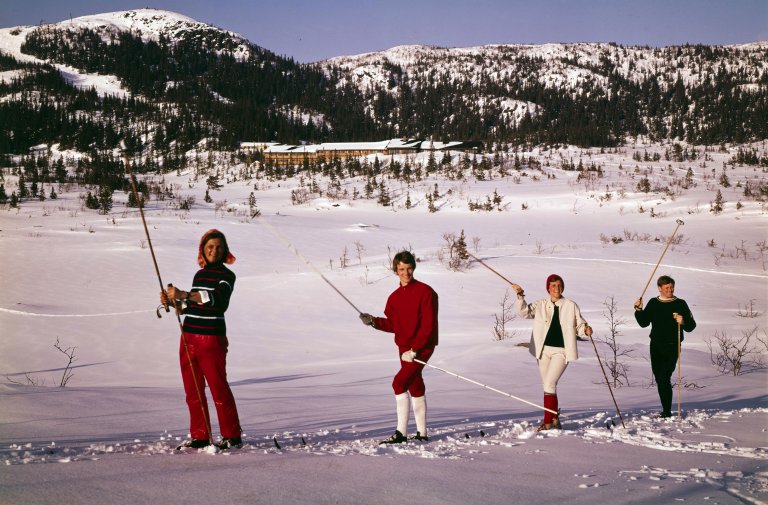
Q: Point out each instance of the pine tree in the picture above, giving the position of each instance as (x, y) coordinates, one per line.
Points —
(3, 195)
(383, 199)
(255, 212)
(431, 207)
(91, 201)
(461, 247)
(14, 200)
(717, 206)
(23, 191)
(105, 199)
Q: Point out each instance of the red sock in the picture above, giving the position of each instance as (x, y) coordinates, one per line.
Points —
(550, 402)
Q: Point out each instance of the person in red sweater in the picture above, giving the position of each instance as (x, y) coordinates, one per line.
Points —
(411, 314)
(203, 349)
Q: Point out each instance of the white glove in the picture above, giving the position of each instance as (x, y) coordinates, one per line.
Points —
(408, 356)
(367, 319)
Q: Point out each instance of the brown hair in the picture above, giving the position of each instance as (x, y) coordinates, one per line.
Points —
(664, 280)
(406, 257)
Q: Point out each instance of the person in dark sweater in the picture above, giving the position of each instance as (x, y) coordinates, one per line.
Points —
(557, 322)
(205, 358)
(411, 314)
(665, 314)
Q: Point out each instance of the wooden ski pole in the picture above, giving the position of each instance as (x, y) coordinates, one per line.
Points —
(606, 381)
(287, 242)
(282, 238)
(679, 371)
(489, 268)
(679, 223)
(489, 387)
(162, 287)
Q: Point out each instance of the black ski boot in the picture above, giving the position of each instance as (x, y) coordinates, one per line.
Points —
(419, 438)
(229, 443)
(193, 443)
(397, 438)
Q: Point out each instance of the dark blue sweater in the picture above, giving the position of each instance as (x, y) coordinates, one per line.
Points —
(208, 319)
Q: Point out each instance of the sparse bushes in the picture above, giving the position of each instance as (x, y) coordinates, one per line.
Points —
(66, 374)
(500, 320)
(454, 254)
(617, 369)
(735, 355)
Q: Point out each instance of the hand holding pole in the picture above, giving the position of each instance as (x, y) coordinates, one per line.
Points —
(679, 223)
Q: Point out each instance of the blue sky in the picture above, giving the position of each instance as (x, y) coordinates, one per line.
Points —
(311, 30)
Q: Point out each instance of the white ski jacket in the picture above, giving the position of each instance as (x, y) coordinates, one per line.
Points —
(541, 312)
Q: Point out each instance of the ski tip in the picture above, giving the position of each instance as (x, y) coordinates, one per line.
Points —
(303, 442)
(466, 435)
(482, 433)
(274, 439)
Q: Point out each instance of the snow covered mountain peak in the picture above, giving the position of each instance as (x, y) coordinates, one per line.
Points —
(150, 23)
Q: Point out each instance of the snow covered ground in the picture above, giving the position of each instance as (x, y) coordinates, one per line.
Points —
(309, 377)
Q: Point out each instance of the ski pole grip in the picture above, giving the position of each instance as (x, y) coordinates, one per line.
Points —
(167, 308)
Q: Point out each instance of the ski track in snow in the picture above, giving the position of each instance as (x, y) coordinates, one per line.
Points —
(22, 313)
(454, 442)
(673, 267)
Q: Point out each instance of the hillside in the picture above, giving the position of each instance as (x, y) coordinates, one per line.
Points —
(163, 82)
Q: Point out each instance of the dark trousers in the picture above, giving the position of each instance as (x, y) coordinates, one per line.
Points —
(663, 363)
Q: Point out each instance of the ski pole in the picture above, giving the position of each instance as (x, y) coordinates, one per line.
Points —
(282, 238)
(287, 242)
(489, 268)
(679, 367)
(679, 223)
(606, 381)
(489, 387)
(162, 288)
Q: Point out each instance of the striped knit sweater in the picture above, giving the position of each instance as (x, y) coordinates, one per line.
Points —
(208, 318)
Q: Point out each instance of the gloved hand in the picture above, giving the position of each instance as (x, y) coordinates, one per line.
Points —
(408, 356)
(367, 319)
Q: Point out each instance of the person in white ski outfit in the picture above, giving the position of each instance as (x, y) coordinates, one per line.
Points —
(553, 345)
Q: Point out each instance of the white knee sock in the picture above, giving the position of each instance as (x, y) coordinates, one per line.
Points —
(420, 413)
(402, 412)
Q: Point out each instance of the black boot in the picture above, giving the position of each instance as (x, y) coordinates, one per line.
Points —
(193, 443)
(228, 443)
(397, 438)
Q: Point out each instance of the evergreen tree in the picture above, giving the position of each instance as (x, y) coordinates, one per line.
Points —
(105, 199)
(23, 191)
(644, 185)
(91, 201)
(384, 198)
(717, 206)
(255, 212)
(3, 195)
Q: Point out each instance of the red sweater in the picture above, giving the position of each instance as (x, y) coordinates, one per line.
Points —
(411, 314)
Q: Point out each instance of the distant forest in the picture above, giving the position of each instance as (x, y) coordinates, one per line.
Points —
(193, 89)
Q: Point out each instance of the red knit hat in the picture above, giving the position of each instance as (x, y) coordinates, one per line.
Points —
(213, 233)
(552, 278)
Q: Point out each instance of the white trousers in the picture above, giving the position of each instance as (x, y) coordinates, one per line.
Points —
(551, 366)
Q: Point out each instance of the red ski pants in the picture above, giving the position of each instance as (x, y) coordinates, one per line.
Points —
(208, 355)
(409, 377)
